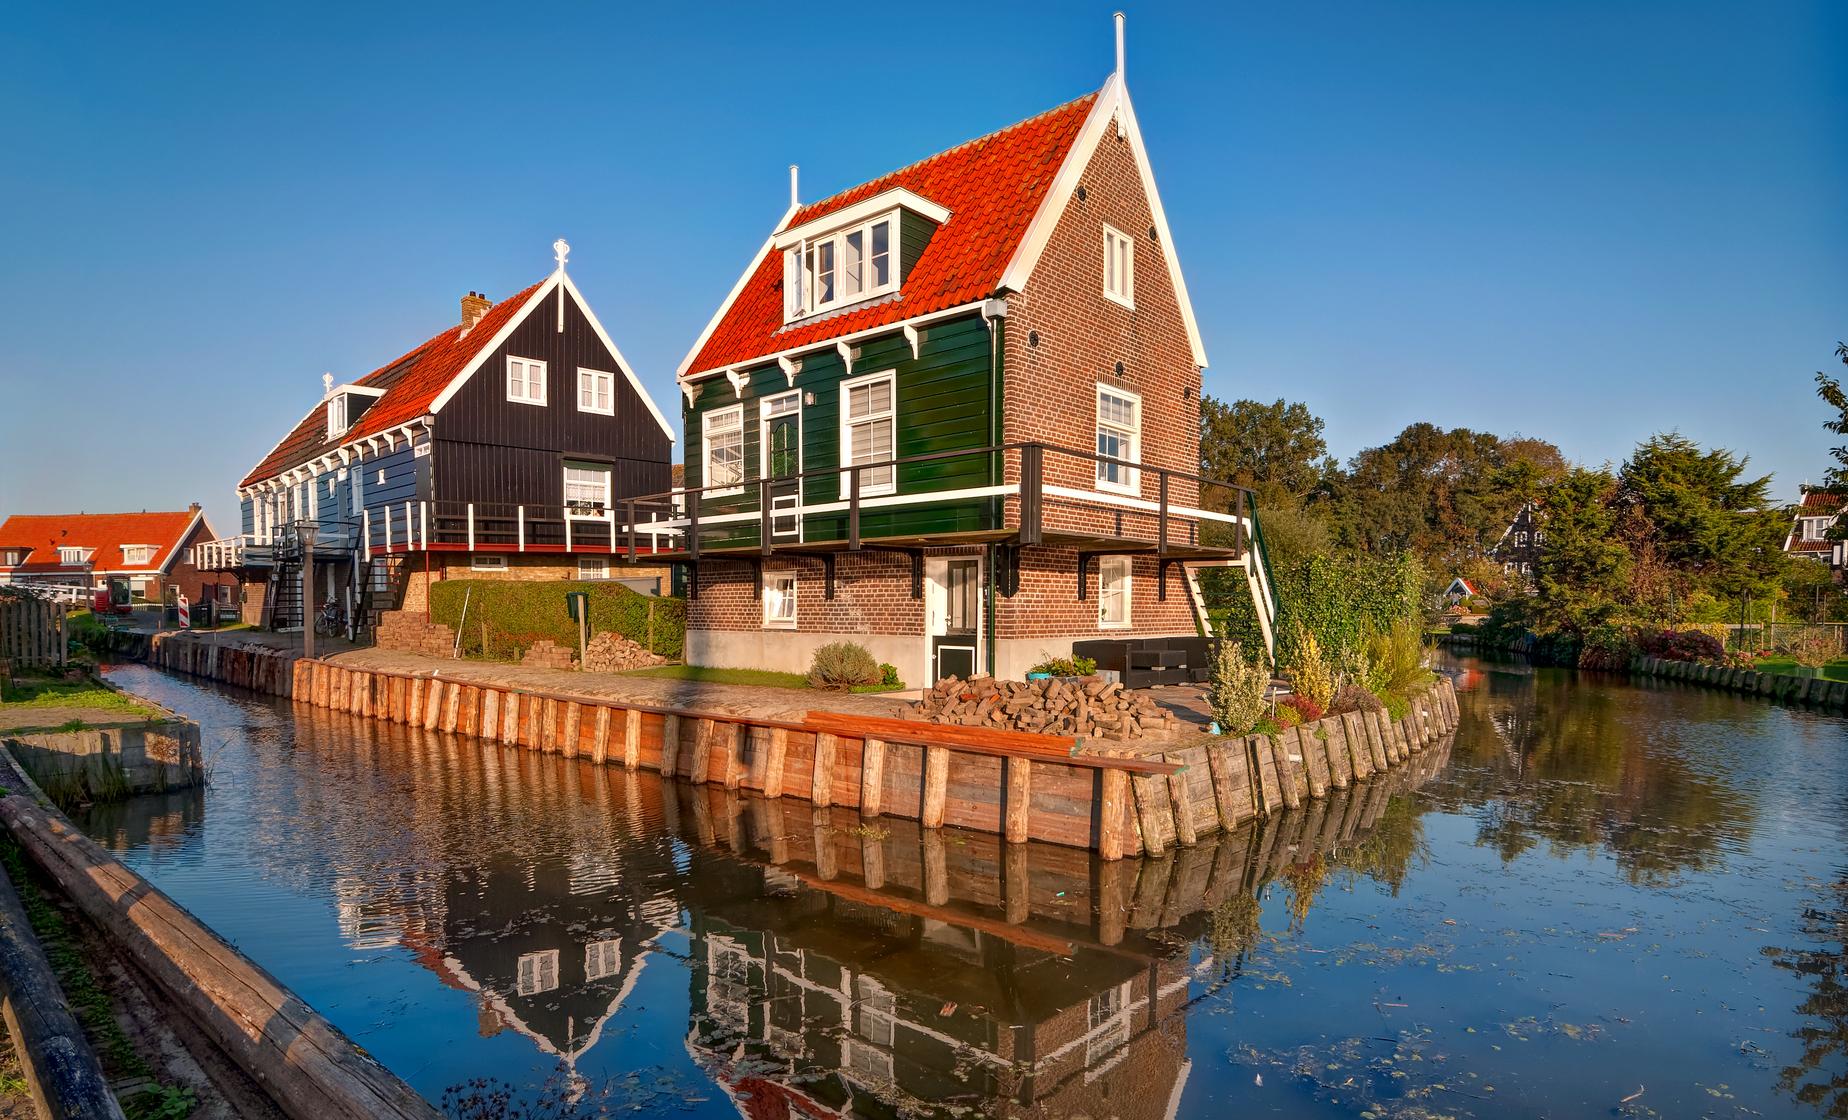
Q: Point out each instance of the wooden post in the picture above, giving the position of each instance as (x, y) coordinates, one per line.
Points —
(1113, 894)
(452, 706)
(1016, 884)
(670, 744)
(936, 869)
(936, 786)
(872, 862)
(821, 828)
(872, 778)
(821, 791)
(600, 736)
(1182, 806)
(1019, 800)
(702, 751)
(1149, 814)
(574, 728)
(1113, 801)
(729, 735)
(631, 738)
(510, 717)
(1287, 785)
(433, 703)
(775, 759)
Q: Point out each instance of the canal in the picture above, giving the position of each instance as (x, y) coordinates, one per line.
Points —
(1602, 898)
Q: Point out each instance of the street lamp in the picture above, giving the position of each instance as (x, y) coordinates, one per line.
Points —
(304, 532)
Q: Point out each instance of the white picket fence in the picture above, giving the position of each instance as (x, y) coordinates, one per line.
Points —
(34, 633)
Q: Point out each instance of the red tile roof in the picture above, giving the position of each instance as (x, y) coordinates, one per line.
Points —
(104, 533)
(992, 187)
(1817, 502)
(411, 383)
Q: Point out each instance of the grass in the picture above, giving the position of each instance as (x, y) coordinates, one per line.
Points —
(47, 693)
(1836, 670)
(763, 678)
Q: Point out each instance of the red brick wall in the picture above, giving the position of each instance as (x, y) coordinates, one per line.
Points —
(1047, 603)
(872, 595)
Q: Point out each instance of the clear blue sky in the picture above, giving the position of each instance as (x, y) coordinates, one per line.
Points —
(1580, 221)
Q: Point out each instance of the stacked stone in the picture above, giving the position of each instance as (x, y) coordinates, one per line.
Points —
(1055, 706)
(548, 654)
(408, 631)
(610, 652)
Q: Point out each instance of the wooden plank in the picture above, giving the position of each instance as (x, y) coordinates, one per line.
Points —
(943, 734)
(702, 750)
(728, 736)
(1287, 783)
(1018, 777)
(452, 706)
(821, 792)
(936, 785)
(776, 757)
(1327, 733)
(872, 777)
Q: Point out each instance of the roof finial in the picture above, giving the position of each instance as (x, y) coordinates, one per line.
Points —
(794, 197)
(327, 385)
(560, 250)
(1119, 41)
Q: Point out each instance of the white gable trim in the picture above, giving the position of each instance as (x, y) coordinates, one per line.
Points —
(750, 269)
(176, 548)
(495, 343)
(622, 363)
(885, 201)
(1112, 105)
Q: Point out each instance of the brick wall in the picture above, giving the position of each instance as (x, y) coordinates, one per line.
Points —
(405, 630)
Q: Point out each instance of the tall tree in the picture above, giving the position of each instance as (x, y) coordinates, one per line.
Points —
(1583, 571)
(1704, 519)
(1830, 390)
(1276, 449)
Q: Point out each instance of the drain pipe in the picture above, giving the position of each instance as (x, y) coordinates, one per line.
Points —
(994, 314)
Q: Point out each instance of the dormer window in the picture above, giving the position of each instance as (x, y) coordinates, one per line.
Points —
(853, 264)
(10, 558)
(336, 416)
(137, 554)
(71, 555)
(345, 405)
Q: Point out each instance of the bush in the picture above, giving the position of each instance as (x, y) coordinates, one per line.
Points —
(518, 613)
(1354, 698)
(1307, 710)
(1235, 692)
(843, 665)
(1397, 661)
(1812, 646)
(1681, 645)
(1607, 647)
(1311, 674)
(888, 676)
(1287, 716)
(1066, 666)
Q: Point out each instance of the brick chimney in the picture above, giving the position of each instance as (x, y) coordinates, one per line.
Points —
(193, 509)
(474, 306)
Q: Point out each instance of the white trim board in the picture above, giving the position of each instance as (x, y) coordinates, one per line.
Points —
(750, 268)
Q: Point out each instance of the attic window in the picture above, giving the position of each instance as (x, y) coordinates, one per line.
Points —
(71, 555)
(336, 416)
(137, 554)
(852, 264)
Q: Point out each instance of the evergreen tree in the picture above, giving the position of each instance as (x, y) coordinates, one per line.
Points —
(1830, 390)
(1704, 520)
(1584, 570)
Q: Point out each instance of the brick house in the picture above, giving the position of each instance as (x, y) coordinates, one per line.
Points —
(75, 554)
(1818, 510)
(498, 449)
(953, 414)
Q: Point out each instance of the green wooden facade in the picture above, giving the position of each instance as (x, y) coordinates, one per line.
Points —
(947, 399)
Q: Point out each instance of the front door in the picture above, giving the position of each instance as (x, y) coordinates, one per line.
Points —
(957, 616)
(779, 433)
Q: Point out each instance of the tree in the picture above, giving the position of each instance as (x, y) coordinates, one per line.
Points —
(1708, 523)
(1583, 571)
(1275, 450)
(1830, 390)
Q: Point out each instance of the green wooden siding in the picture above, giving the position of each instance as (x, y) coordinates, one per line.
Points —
(943, 404)
(914, 232)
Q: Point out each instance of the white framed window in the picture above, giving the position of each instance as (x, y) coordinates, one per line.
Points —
(487, 562)
(1119, 436)
(779, 600)
(381, 481)
(602, 958)
(1119, 267)
(538, 972)
(525, 380)
(336, 416)
(596, 392)
(587, 489)
(869, 431)
(722, 434)
(70, 555)
(1113, 592)
(847, 266)
(137, 554)
(10, 558)
(593, 567)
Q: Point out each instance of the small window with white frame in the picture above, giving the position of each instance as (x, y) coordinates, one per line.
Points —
(843, 267)
(593, 567)
(780, 600)
(137, 554)
(596, 392)
(487, 562)
(1119, 267)
(722, 433)
(602, 958)
(587, 489)
(525, 380)
(1119, 437)
(71, 555)
(1113, 592)
(538, 972)
(869, 431)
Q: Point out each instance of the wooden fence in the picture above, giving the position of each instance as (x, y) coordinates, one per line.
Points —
(34, 633)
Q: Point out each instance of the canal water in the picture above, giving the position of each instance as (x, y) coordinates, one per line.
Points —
(1600, 899)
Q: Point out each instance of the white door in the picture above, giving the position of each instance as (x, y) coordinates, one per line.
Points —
(779, 459)
(953, 616)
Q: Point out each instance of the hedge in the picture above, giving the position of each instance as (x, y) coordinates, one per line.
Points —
(518, 613)
(1343, 601)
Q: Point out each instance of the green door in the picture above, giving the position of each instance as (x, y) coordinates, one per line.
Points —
(780, 436)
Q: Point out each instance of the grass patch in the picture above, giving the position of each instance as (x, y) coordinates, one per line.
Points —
(46, 693)
(1836, 670)
(763, 678)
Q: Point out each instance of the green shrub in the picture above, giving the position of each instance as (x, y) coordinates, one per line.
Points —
(517, 613)
(1310, 674)
(1398, 661)
(1235, 691)
(1066, 666)
(888, 676)
(843, 665)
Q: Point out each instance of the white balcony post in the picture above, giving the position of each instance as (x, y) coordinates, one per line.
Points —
(423, 524)
(365, 532)
(387, 528)
(471, 526)
(567, 528)
(520, 521)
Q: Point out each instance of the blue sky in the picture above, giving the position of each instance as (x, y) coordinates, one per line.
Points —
(1580, 221)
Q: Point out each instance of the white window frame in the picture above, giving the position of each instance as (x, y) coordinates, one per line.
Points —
(596, 377)
(736, 412)
(141, 554)
(336, 416)
(780, 600)
(600, 568)
(847, 425)
(609, 481)
(1131, 483)
(487, 562)
(1121, 572)
(534, 970)
(602, 958)
(799, 268)
(1119, 282)
(527, 366)
(68, 554)
(10, 558)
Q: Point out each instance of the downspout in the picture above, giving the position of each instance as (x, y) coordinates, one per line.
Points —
(994, 314)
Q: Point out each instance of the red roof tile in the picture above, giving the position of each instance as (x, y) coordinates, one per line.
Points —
(104, 533)
(411, 383)
(1822, 501)
(992, 187)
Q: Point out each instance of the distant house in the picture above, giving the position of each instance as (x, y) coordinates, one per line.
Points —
(79, 553)
(501, 448)
(1817, 511)
(952, 414)
(1518, 550)
(1459, 590)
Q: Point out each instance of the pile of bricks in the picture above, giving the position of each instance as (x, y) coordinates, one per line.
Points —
(548, 654)
(410, 632)
(1085, 706)
(610, 652)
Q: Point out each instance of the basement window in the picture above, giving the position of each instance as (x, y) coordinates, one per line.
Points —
(780, 601)
(487, 562)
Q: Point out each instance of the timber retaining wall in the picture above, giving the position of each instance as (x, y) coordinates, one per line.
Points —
(1816, 691)
(1094, 800)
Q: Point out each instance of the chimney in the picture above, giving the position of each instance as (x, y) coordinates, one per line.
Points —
(193, 509)
(474, 306)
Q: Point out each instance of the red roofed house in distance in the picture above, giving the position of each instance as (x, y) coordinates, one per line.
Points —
(72, 555)
(499, 449)
(952, 414)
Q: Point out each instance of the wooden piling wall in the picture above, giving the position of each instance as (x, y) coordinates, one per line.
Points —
(1087, 802)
